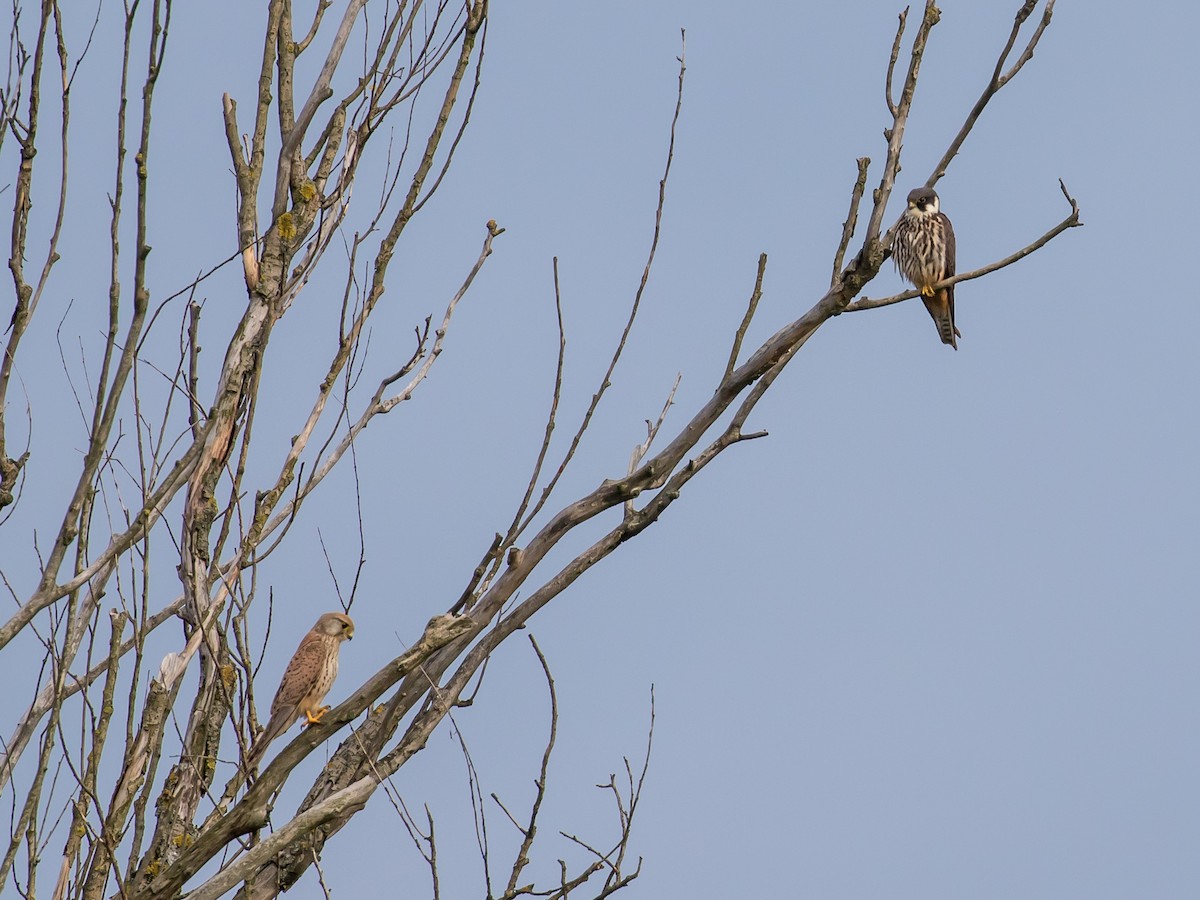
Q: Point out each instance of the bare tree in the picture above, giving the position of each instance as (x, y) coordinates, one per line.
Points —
(147, 817)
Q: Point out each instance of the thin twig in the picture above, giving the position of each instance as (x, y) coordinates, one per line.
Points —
(751, 307)
(551, 417)
(640, 450)
(529, 832)
(848, 226)
(891, 69)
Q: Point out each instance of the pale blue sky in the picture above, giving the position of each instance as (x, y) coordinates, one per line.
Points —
(936, 636)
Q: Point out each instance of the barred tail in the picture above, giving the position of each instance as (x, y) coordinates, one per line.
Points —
(941, 309)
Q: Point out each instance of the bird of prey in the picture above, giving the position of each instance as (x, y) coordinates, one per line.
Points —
(306, 680)
(924, 252)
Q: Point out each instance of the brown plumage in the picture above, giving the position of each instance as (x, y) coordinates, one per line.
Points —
(306, 680)
(924, 251)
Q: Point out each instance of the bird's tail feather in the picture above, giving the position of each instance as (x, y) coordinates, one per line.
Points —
(275, 727)
(941, 309)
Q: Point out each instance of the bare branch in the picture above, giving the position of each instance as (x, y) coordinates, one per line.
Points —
(551, 417)
(751, 307)
(998, 80)
(652, 429)
(888, 95)
(1071, 221)
(529, 832)
(856, 195)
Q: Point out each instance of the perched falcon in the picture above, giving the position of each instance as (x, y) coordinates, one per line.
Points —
(924, 252)
(306, 680)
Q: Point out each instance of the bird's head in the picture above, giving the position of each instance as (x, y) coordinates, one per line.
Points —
(338, 625)
(923, 201)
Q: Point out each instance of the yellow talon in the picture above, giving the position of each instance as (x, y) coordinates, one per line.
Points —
(927, 291)
(314, 718)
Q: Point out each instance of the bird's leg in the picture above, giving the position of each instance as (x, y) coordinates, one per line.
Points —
(927, 291)
(315, 717)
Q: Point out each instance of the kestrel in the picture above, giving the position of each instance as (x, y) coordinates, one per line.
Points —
(924, 254)
(306, 680)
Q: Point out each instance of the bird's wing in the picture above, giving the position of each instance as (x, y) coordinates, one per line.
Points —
(950, 245)
(951, 269)
(301, 674)
(298, 680)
